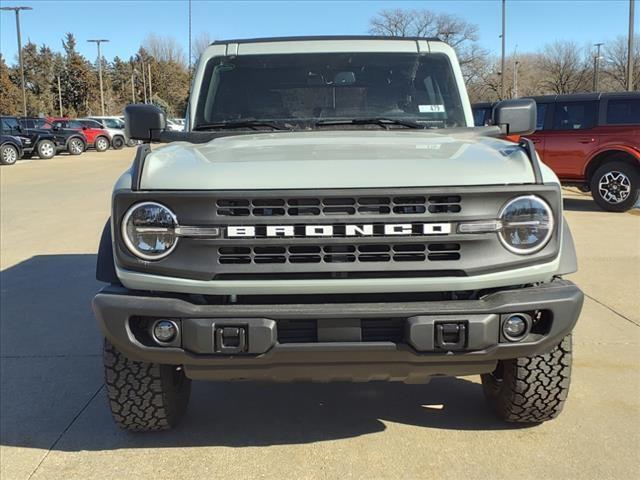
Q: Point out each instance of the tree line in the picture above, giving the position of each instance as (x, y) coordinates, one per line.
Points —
(66, 83)
(556, 68)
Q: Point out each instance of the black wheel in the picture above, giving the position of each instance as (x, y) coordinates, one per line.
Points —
(132, 143)
(75, 146)
(118, 142)
(530, 389)
(144, 396)
(46, 149)
(615, 186)
(101, 144)
(8, 154)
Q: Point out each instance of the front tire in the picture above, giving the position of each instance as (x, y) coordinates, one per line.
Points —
(530, 389)
(144, 396)
(117, 143)
(46, 149)
(101, 144)
(75, 146)
(615, 186)
(8, 154)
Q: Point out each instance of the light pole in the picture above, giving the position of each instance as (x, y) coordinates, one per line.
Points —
(630, 48)
(98, 42)
(190, 52)
(515, 78)
(149, 80)
(504, 12)
(133, 89)
(24, 91)
(59, 96)
(144, 81)
(596, 66)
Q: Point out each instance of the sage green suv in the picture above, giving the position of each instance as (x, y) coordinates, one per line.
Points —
(331, 213)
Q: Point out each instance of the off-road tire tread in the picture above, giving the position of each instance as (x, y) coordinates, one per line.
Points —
(533, 389)
(141, 395)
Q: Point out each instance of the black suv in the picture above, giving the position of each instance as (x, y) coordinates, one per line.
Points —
(33, 141)
(66, 139)
(10, 149)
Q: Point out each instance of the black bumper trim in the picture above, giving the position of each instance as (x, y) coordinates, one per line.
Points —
(114, 306)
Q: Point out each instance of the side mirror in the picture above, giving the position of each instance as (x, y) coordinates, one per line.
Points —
(84, 127)
(515, 117)
(143, 122)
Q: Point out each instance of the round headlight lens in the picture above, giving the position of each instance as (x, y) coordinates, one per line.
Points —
(527, 224)
(149, 230)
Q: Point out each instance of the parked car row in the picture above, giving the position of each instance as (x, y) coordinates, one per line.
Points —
(591, 141)
(24, 137)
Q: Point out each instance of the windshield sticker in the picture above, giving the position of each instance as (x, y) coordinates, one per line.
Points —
(431, 108)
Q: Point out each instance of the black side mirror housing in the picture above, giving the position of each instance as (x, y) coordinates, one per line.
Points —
(144, 122)
(515, 117)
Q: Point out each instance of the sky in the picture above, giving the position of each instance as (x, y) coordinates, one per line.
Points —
(530, 24)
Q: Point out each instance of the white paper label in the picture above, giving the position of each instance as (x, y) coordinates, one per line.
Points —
(431, 108)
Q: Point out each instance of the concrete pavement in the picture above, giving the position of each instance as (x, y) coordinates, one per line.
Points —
(55, 423)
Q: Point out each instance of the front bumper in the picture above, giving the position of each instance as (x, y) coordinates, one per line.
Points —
(340, 351)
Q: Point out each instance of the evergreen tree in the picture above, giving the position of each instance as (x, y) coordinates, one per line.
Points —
(10, 95)
(78, 80)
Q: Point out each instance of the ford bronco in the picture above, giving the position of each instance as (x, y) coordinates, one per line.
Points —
(330, 213)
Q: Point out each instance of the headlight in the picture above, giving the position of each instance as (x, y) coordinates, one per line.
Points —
(527, 224)
(149, 230)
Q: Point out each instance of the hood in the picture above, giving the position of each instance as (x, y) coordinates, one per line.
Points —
(337, 159)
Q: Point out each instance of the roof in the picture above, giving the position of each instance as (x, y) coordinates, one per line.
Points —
(577, 97)
(320, 38)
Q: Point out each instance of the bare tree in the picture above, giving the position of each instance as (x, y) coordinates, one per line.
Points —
(458, 33)
(200, 44)
(565, 68)
(615, 63)
(165, 49)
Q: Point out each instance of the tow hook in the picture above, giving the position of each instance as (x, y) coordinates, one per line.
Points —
(451, 336)
(230, 340)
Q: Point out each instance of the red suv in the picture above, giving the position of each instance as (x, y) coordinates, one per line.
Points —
(97, 138)
(591, 141)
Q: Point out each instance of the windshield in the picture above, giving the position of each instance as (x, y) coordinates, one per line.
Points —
(112, 123)
(42, 123)
(308, 88)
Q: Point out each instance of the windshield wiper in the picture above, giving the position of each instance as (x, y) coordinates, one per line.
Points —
(252, 124)
(381, 121)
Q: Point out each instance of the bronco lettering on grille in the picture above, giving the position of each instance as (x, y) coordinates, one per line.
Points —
(361, 230)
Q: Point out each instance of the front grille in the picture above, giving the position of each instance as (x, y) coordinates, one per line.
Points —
(365, 253)
(340, 206)
(383, 330)
(297, 331)
(372, 330)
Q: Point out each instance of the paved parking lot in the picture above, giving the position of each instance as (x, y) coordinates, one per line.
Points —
(55, 423)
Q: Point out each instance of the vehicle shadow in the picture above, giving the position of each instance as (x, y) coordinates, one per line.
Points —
(52, 383)
(585, 204)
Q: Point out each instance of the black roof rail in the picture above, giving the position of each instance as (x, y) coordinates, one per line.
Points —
(321, 37)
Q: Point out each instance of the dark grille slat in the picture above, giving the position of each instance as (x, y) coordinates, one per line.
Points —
(407, 252)
(343, 206)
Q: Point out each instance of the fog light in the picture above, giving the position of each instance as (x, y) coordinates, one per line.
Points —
(515, 327)
(164, 331)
